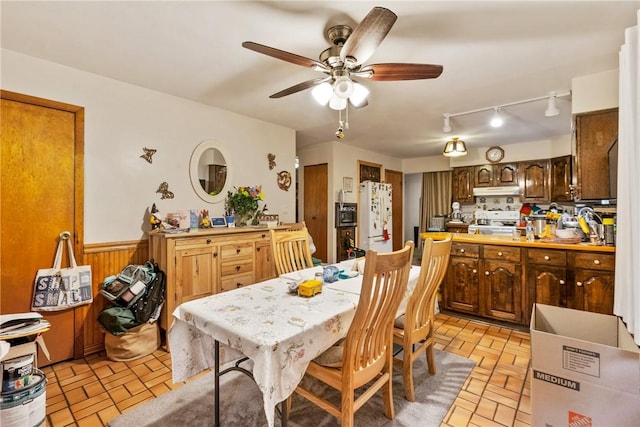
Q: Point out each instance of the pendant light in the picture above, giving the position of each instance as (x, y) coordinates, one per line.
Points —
(454, 148)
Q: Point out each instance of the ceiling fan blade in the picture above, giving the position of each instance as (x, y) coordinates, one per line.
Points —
(299, 87)
(286, 56)
(368, 35)
(399, 71)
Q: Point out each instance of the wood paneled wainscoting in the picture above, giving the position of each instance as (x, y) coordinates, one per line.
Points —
(105, 259)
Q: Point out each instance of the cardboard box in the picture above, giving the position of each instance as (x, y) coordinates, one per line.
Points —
(585, 370)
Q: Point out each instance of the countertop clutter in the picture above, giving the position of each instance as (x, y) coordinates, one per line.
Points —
(508, 241)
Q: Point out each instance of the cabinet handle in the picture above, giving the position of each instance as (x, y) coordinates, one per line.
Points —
(258, 249)
(499, 253)
(208, 241)
(238, 285)
(474, 271)
(486, 273)
(546, 258)
(237, 268)
(579, 283)
(215, 254)
(237, 250)
(264, 235)
(596, 261)
(461, 251)
(562, 282)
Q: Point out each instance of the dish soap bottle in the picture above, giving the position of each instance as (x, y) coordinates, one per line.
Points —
(529, 229)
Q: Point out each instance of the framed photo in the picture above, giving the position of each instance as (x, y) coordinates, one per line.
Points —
(347, 184)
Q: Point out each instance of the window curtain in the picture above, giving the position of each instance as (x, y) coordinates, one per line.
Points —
(627, 282)
(436, 197)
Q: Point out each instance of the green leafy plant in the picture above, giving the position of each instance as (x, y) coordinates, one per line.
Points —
(243, 203)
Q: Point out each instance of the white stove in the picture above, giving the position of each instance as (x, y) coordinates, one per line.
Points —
(500, 223)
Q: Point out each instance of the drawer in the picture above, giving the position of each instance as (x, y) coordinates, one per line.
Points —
(237, 281)
(547, 257)
(595, 261)
(238, 250)
(470, 250)
(241, 265)
(194, 242)
(503, 253)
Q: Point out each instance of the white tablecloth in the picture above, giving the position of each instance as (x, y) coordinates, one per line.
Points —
(279, 331)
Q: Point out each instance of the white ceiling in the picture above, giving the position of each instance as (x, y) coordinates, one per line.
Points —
(493, 53)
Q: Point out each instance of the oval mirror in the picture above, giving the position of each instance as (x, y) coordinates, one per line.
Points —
(210, 171)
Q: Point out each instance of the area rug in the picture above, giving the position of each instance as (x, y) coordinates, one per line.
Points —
(241, 401)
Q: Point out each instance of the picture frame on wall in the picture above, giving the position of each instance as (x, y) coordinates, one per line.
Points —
(347, 184)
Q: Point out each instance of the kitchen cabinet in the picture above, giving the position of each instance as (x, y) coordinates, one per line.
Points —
(560, 175)
(457, 227)
(462, 283)
(534, 180)
(463, 182)
(594, 281)
(496, 175)
(596, 151)
(546, 277)
(205, 262)
(501, 283)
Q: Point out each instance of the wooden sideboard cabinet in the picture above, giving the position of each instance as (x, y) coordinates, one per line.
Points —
(206, 262)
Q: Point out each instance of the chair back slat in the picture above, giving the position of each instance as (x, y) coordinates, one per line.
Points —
(290, 250)
(369, 337)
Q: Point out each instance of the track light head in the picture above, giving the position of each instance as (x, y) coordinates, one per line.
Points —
(552, 108)
(447, 124)
(496, 120)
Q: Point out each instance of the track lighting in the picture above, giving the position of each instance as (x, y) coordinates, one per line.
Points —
(447, 124)
(552, 108)
(497, 121)
(454, 148)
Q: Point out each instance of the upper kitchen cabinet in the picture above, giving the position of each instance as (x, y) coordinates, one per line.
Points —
(596, 155)
(495, 175)
(463, 184)
(534, 180)
(560, 168)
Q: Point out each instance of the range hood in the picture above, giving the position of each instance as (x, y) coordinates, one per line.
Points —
(497, 191)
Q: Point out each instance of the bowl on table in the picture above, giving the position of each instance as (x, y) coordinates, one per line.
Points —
(566, 233)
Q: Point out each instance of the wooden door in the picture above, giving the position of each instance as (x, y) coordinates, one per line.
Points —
(41, 196)
(316, 189)
(534, 181)
(501, 286)
(463, 184)
(560, 179)
(397, 191)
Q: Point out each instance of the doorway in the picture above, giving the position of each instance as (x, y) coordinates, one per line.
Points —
(42, 195)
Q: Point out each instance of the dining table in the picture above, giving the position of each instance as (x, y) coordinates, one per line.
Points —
(280, 331)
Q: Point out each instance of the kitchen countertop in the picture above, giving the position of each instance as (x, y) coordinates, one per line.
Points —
(508, 241)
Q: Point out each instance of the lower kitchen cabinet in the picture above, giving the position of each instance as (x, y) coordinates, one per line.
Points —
(205, 262)
(462, 284)
(503, 282)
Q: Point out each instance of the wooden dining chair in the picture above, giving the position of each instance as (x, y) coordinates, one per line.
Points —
(366, 354)
(414, 329)
(291, 250)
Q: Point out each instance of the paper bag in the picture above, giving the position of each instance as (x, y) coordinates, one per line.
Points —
(59, 288)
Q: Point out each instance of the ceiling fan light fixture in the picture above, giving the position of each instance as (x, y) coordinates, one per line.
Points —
(552, 109)
(359, 95)
(447, 124)
(454, 148)
(337, 103)
(322, 93)
(496, 120)
(343, 87)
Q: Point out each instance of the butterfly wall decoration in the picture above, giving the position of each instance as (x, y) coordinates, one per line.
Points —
(148, 154)
(272, 160)
(164, 191)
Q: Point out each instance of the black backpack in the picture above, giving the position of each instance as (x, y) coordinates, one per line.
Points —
(148, 307)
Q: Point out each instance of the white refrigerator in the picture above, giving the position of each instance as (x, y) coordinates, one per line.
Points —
(375, 222)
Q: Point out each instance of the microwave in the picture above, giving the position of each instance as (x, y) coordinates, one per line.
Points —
(346, 215)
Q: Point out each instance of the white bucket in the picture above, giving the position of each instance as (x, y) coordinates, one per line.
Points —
(25, 407)
(17, 373)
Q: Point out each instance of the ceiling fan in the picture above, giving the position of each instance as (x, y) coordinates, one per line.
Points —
(345, 59)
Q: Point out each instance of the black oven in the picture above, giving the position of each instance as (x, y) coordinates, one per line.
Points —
(346, 215)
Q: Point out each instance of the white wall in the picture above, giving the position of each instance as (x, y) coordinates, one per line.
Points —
(595, 92)
(121, 119)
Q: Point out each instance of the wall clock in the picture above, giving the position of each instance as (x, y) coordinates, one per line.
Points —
(494, 154)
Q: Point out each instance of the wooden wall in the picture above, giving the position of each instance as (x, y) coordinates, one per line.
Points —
(106, 259)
